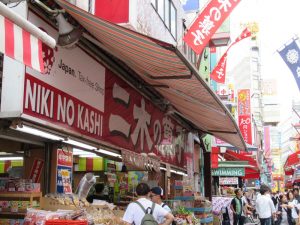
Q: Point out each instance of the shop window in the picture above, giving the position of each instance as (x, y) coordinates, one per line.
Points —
(168, 14)
(173, 20)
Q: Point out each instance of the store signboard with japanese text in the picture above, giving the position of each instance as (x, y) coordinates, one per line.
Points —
(228, 172)
(244, 114)
(228, 180)
(79, 95)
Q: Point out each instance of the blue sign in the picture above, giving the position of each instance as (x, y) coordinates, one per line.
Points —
(257, 184)
(190, 5)
(291, 56)
(63, 180)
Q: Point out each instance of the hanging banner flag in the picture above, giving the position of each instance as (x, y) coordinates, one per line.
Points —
(219, 72)
(290, 55)
(20, 45)
(21, 40)
(208, 22)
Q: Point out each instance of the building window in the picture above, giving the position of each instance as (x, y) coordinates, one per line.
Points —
(168, 14)
(173, 20)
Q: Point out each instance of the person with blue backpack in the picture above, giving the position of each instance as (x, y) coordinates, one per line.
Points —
(145, 212)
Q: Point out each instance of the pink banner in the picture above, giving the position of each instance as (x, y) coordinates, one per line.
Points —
(208, 22)
(244, 114)
(267, 141)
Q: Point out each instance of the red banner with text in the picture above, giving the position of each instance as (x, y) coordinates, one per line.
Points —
(208, 22)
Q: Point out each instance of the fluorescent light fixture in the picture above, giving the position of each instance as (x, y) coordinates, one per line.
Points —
(89, 156)
(5, 153)
(77, 151)
(36, 132)
(179, 173)
(79, 144)
(105, 152)
(10, 158)
(163, 168)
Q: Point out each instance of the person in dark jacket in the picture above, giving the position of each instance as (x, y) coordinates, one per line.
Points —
(98, 195)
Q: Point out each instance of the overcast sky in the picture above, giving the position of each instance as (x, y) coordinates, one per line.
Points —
(279, 21)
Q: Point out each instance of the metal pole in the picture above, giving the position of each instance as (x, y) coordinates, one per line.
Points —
(48, 149)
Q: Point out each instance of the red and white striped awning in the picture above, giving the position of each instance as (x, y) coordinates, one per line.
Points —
(162, 65)
(21, 40)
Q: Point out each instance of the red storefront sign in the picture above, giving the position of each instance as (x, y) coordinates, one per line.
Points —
(208, 22)
(46, 102)
(129, 120)
(82, 97)
(36, 170)
(244, 115)
(134, 123)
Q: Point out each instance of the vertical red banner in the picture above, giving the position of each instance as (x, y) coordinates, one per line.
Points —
(36, 170)
(244, 114)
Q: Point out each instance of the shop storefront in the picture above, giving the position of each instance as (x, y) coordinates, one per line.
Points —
(290, 170)
(83, 123)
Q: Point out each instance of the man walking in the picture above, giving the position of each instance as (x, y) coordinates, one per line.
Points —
(237, 208)
(264, 206)
(139, 211)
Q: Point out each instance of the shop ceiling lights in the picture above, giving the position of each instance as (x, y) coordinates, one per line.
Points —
(179, 173)
(90, 155)
(10, 158)
(79, 144)
(36, 132)
(105, 152)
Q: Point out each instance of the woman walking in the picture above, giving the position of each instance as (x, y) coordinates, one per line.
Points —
(284, 212)
(293, 205)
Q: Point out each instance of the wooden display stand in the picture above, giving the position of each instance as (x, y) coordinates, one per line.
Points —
(54, 205)
(17, 198)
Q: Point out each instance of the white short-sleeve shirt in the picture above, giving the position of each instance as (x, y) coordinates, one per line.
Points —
(161, 219)
(134, 213)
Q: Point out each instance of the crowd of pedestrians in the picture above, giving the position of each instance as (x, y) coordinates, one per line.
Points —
(264, 207)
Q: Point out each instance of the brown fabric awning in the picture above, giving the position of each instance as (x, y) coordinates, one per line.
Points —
(162, 65)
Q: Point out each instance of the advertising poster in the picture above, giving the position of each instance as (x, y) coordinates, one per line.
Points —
(64, 171)
(63, 180)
